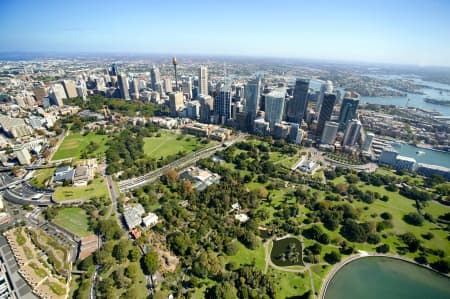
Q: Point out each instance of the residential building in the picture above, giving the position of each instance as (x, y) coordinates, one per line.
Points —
(23, 155)
(70, 88)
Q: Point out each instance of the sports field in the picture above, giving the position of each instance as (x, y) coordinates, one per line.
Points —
(96, 188)
(170, 144)
(74, 220)
(74, 144)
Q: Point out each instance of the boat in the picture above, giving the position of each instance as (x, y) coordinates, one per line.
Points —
(420, 153)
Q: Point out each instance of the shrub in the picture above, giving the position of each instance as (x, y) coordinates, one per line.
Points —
(383, 248)
(414, 219)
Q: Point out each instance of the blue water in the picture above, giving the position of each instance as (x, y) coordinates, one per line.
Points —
(386, 278)
(428, 156)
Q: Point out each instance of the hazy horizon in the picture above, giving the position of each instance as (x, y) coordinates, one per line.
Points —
(415, 33)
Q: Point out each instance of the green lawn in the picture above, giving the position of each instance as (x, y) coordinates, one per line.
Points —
(74, 220)
(167, 144)
(96, 188)
(41, 176)
(74, 144)
(246, 256)
(289, 284)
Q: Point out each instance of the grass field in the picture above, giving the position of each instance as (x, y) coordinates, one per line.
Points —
(74, 144)
(41, 176)
(96, 188)
(290, 284)
(74, 220)
(245, 256)
(167, 144)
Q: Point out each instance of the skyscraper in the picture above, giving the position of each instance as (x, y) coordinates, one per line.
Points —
(348, 111)
(70, 88)
(114, 70)
(274, 106)
(329, 99)
(329, 132)
(297, 106)
(187, 87)
(175, 102)
(57, 94)
(203, 80)
(155, 77)
(222, 105)
(252, 97)
(123, 86)
(368, 142)
(326, 87)
(352, 132)
(206, 107)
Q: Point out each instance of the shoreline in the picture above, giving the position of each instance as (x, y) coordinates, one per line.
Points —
(362, 254)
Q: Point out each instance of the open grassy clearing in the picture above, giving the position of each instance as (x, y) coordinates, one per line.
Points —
(74, 144)
(74, 220)
(41, 176)
(96, 188)
(170, 144)
(245, 256)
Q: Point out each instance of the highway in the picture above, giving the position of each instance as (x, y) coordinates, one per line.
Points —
(130, 184)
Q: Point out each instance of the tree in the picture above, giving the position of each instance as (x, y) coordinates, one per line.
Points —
(383, 248)
(315, 249)
(132, 270)
(134, 254)
(414, 219)
(411, 241)
(441, 265)
(151, 262)
(171, 175)
(121, 250)
(332, 257)
(223, 290)
(231, 248)
(386, 215)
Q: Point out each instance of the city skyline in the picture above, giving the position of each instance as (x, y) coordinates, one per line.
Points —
(380, 32)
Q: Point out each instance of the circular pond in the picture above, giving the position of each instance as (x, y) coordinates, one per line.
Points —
(387, 278)
(287, 252)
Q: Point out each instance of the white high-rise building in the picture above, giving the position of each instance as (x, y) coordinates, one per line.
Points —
(23, 155)
(57, 94)
(368, 142)
(352, 132)
(274, 106)
(203, 81)
(329, 132)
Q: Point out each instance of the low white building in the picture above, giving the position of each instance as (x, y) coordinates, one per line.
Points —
(150, 220)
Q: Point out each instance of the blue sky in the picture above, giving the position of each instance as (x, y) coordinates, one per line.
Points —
(389, 31)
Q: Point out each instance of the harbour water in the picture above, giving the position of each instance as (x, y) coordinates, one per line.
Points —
(423, 155)
(387, 278)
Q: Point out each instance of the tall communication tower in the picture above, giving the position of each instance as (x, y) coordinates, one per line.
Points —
(175, 63)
